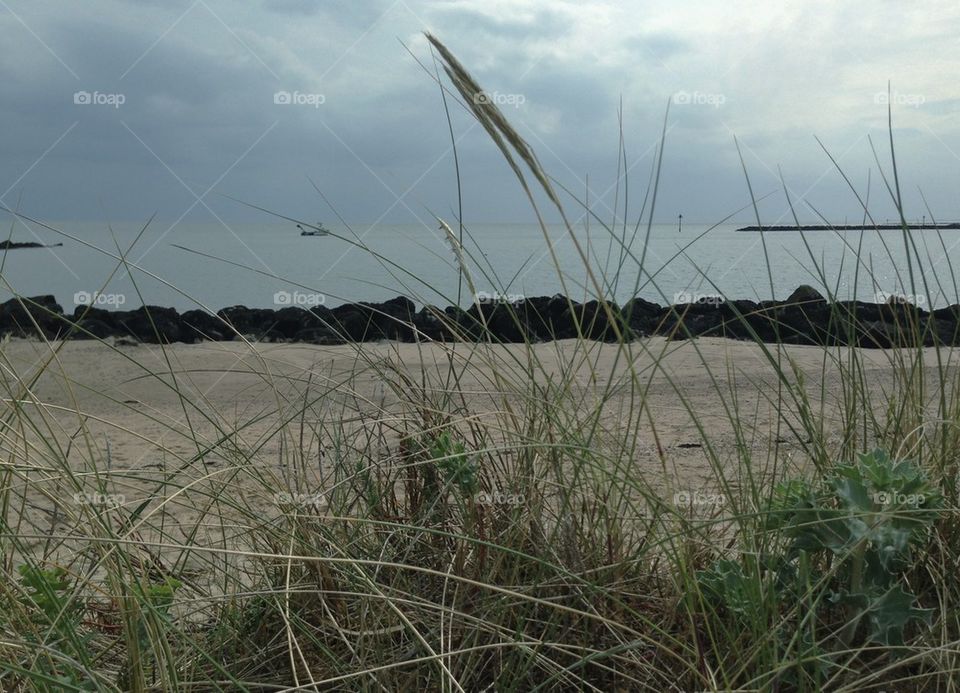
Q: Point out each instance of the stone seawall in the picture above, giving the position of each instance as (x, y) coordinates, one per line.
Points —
(806, 317)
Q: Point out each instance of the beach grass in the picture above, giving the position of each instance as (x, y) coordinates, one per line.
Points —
(505, 517)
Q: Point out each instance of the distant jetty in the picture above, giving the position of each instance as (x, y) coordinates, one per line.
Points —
(13, 245)
(854, 227)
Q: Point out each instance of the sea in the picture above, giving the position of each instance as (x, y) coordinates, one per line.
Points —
(215, 265)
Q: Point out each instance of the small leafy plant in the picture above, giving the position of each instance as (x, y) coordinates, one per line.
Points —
(47, 596)
(153, 603)
(441, 470)
(457, 466)
(845, 545)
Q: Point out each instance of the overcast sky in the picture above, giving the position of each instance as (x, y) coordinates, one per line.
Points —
(118, 110)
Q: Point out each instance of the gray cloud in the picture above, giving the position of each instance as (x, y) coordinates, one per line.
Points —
(199, 79)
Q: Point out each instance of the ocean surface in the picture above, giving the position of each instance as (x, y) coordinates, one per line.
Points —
(269, 265)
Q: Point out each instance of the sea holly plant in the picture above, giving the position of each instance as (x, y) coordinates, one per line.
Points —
(158, 597)
(854, 535)
(47, 594)
(458, 467)
(441, 467)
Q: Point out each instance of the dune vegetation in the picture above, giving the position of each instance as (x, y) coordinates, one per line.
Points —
(495, 517)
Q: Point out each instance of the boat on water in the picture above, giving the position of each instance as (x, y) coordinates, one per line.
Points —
(317, 229)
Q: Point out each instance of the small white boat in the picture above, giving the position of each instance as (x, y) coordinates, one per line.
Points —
(316, 230)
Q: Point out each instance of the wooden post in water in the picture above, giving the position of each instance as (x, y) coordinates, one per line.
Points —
(679, 223)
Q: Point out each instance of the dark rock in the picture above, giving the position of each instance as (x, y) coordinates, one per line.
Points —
(544, 318)
(23, 317)
(643, 317)
(255, 322)
(945, 325)
(743, 319)
(198, 325)
(94, 313)
(593, 320)
(431, 324)
(92, 329)
(500, 320)
(705, 324)
(150, 324)
(93, 323)
(874, 334)
(858, 311)
(739, 309)
(293, 320)
(805, 294)
(364, 322)
(322, 313)
(354, 321)
(804, 318)
(463, 325)
(397, 315)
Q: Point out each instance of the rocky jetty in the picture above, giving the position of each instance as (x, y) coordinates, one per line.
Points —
(953, 226)
(14, 245)
(805, 317)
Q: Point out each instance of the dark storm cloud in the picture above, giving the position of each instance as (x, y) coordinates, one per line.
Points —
(200, 81)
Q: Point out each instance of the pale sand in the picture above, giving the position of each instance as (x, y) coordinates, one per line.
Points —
(236, 397)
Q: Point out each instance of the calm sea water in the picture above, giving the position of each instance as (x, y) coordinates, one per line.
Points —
(268, 265)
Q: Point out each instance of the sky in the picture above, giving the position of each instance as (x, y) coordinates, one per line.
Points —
(179, 108)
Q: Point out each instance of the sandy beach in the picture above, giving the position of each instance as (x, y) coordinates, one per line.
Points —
(191, 415)
(206, 461)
